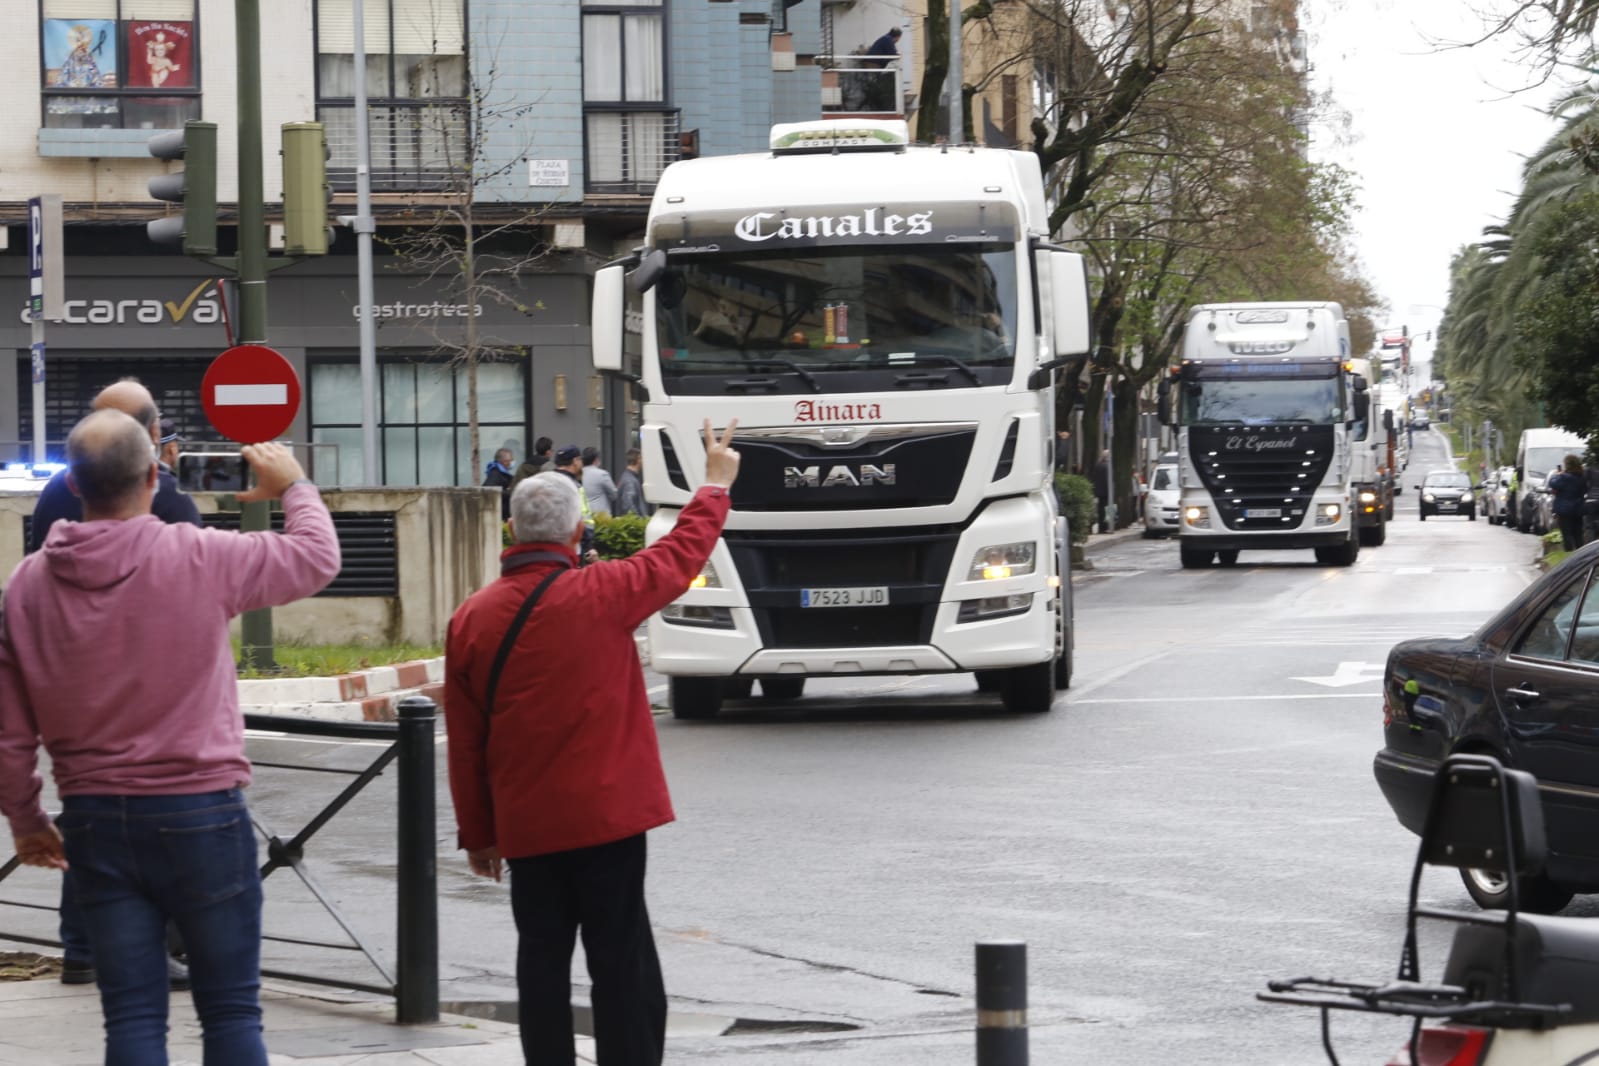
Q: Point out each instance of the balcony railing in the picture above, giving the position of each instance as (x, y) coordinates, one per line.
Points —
(856, 83)
(627, 150)
(415, 147)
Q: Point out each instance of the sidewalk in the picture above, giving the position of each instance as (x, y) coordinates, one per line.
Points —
(48, 1022)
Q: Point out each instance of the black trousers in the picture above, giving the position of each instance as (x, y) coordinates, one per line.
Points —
(600, 892)
(1570, 530)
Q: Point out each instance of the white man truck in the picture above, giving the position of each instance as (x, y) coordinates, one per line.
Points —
(1265, 406)
(884, 321)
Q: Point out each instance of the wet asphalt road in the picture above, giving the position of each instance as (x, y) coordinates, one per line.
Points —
(1195, 816)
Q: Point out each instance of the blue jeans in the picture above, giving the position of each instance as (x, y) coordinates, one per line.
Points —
(139, 861)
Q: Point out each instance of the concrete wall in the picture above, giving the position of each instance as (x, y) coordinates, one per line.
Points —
(449, 547)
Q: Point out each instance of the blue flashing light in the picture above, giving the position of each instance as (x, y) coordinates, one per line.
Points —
(47, 470)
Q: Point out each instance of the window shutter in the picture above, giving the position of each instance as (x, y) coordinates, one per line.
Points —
(335, 27)
(428, 27)
(163, 10)
(80, 9)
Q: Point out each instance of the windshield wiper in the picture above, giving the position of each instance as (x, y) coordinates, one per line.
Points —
(799, 371)
(946, 360)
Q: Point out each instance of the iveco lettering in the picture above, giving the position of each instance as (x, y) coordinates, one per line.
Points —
(869, 311)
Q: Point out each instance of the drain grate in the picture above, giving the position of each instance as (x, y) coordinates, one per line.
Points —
(767, 1026)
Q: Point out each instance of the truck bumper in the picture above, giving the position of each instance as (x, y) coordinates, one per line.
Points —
(1264, 541)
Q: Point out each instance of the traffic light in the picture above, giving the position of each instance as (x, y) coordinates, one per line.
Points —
(194, 187)
(306, 193)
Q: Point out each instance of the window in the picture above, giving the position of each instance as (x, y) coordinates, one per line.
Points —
(1549, 635)
(631, 134)
(416, 83)
(119, 64)
(422, 420)
(1585, 641)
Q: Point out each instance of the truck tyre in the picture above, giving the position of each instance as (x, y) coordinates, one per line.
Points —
(1063, 661)
(1538, 894)
(1373, 536)
(1028, 689)
(1343, 554)
(696, 697)
(738, 688)
(1229, 557)
(782, 688)
(1195, 560)
(987, 680)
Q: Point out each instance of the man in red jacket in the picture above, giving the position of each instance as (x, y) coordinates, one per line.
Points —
(554, 765)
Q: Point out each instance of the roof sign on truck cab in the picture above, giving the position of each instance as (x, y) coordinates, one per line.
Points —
(843, 224)
(828, 135)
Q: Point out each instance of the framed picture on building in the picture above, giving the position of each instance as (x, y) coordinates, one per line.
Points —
(160, 55)
(80, 53)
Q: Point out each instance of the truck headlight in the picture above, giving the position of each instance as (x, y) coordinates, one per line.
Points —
(1198, 517)
(694, 615)
(998, 561)
(1328, 514)
(994, 607)
(1368, 497)
(706, 578)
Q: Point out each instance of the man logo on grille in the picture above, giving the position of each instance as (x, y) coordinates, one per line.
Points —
(811, 477)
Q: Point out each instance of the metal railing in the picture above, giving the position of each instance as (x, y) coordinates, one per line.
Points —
(857, 83)
(414, 982)
(422, 147)
(627, 150)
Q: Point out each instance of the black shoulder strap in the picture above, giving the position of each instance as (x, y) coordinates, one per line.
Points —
(511, 634)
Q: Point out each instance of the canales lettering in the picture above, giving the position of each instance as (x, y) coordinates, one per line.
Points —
(1260, 444)
(811, 477)
(200, 306)
(815, 411)
(873, 222)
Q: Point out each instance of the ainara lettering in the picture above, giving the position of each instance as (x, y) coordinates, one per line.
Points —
(873, 222)
(1251, 443)
(815, 411)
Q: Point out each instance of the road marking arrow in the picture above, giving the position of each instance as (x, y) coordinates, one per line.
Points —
(1347, 674)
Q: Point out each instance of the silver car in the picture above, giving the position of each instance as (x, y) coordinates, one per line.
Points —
(1160, 504)
(1494, 500)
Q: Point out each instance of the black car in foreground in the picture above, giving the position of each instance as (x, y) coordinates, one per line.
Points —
(1525, 689)
(1447, 492)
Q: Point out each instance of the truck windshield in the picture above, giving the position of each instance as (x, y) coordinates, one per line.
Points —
(1259, 402)
(839, 319)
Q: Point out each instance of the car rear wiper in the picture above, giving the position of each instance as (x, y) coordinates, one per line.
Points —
(946, 360)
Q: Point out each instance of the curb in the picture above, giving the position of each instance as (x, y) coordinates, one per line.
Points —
(364, 696)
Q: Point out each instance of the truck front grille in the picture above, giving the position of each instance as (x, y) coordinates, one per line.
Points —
(1252, 471)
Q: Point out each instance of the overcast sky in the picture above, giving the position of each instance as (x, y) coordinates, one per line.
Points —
(1438, 137)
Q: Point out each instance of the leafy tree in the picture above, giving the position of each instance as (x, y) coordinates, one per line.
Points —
(1558, 319)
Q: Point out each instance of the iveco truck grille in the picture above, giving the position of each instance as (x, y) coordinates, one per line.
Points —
(1261, 478)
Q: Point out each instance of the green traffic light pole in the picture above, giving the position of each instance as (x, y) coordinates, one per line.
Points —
(255, 626)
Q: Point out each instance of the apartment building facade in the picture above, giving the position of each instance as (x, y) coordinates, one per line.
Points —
(549, 123)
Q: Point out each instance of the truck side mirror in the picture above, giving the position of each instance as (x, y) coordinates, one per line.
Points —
(605, 329)
(1068, 284)
(1362, 404)
(1163, 401)
(1388, 421)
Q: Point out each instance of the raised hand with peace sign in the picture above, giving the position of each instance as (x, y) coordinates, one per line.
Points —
(721, 461)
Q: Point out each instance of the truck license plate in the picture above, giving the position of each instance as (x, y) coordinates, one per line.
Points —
(862, 596)
(1263, 512)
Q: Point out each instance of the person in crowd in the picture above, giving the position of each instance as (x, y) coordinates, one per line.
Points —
(1590, 499)
(1063, 450)
(170, 443)
(1569, 486)
(498, 475)
(1102, 489)
(569, 462)
(598, 485)
(147, 747)
(536, 463)
(556, 772)
(57, 501)
(630, 486)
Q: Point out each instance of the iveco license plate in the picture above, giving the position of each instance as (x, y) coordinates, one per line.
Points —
(1263, 512)
(863, 596)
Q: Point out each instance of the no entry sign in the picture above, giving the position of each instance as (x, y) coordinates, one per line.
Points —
(251, 393)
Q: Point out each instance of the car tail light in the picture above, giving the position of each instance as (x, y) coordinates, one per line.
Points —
(1387, 709)
(1447, 1045)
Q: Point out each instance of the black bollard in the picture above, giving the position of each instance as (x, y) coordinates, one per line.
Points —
(1002, 1003)
(417, 987)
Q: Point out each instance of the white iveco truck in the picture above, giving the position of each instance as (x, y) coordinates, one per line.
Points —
(883, 320)
(1266, 408)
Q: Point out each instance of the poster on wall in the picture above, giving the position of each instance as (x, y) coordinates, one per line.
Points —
(80, 53)
(160, 55)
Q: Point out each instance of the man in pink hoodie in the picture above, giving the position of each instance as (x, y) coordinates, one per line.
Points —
(147, 748)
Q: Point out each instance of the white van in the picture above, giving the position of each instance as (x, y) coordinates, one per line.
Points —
(1540, 451)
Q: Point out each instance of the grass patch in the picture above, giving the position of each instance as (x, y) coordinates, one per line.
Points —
(1553, 559)
(331, 660)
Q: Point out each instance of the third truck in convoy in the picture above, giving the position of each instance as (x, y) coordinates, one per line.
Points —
(1266, 409)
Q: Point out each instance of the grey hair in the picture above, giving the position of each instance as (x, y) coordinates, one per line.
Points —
(545, 509)
(109, 457)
